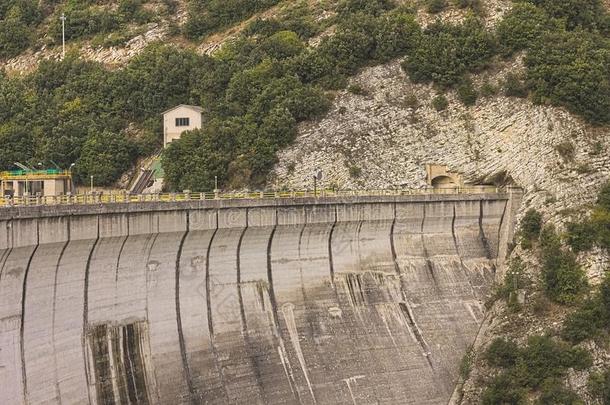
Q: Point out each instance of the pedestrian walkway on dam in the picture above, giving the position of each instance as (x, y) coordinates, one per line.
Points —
(125, 197)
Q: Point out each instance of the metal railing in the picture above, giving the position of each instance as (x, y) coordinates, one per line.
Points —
(125, 197)
(34, 174)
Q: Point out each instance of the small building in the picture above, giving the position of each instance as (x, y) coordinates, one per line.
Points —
(18, 183)
(179, 119)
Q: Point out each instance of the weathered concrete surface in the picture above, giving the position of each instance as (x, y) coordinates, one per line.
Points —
(366, 301)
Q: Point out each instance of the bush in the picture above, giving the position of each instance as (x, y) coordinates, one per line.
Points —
(592, 319)
(580, 236)
(440, 103)
(566, 150)
(467, 93)
(84, 23)
(554, 393)
(541, 364)
(355, 172)
(15, 37)
(502, 353)
(522, 27)
(577, 13)
(571, 69)
(436, 6)
(209, 16)
(531, 225)
(599, 386)
(446, 52)
(603, 198)
(105, 156)
(514, 86)
(564, 280)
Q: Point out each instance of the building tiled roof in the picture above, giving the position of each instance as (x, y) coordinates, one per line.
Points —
(192, 107)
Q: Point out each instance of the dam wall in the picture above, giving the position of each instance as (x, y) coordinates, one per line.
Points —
(369, 300)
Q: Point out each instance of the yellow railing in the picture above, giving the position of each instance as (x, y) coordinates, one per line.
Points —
(35, 175)
(110, 198)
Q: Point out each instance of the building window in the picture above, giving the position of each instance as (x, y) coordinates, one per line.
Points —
(182, 122)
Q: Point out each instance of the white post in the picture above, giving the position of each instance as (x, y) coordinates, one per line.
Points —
(63, 36)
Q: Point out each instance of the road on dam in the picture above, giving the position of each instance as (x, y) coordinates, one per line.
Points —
(368, 300)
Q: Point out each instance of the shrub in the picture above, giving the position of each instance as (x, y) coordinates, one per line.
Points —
(84, 23)
(467, 93)
(514, 86)
(105, 156)
(603, 198)
(440, 103)
(599, 386)
(531, 225)
(488, 89)
(446, 52)
(209, 16)
(577, 13)
(554, 393)
(566, 150)
(571, 69)
(15, 37)
(502, 353)
(580, 236)
(355, 172)
(521, 27)
(356, 89)
(436, 6)
(564, 280)
(474, 5)
(503, 390)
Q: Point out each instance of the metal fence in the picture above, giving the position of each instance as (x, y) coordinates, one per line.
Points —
(125, 197)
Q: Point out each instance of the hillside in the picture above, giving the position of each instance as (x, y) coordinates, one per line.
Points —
(368, 91)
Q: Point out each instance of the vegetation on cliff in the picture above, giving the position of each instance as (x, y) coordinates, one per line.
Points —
(257, 88)
(538, 368)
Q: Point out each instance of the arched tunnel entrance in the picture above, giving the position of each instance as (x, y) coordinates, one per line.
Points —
(443, 182)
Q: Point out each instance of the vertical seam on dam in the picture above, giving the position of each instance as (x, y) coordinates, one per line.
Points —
(86, 310)
(330, 250)
(242, 313)
(22, 326)
(61, 255)
(482, 232)
(457, 252)
(209, 311)
(425, 250)
(274, 310)
(393, 247)
(500, 230)
(185, 365)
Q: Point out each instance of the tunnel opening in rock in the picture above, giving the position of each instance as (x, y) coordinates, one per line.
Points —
(443, 182)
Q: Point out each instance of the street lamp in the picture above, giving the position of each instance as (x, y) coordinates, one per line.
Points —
(92, 184)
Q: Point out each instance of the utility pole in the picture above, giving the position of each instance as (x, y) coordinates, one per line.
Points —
(63, 36)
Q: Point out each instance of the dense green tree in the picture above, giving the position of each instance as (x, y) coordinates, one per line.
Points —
(446, 52)
(522, 27)
(105, 155)
(571, 69)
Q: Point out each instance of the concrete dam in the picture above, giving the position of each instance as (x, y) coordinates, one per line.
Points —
(364, 300)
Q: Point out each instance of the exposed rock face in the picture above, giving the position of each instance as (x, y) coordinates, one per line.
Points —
(393, 130)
